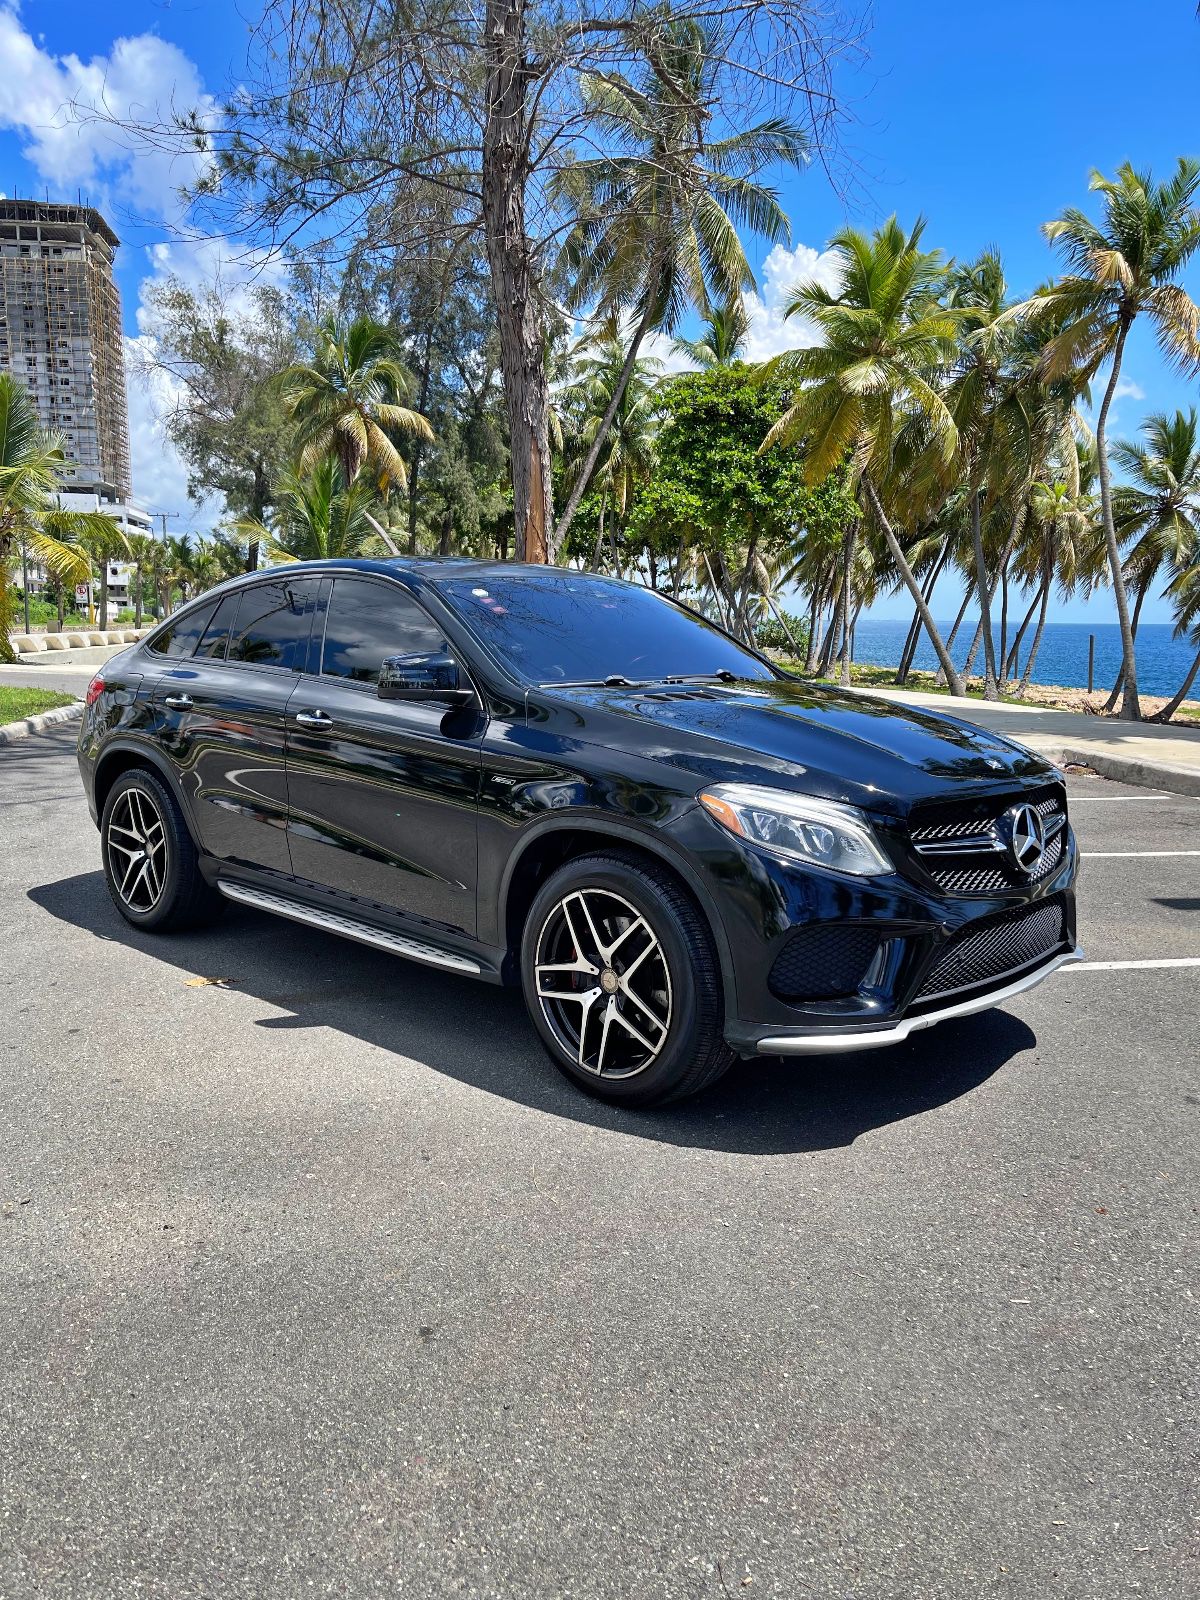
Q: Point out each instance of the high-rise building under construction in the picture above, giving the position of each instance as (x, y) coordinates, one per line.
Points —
(60, 334)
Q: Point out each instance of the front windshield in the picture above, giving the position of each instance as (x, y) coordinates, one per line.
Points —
(554, 626)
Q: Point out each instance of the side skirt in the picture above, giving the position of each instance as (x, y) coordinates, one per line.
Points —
(338, 922)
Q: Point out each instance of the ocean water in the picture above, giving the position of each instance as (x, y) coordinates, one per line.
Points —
(1063, 658)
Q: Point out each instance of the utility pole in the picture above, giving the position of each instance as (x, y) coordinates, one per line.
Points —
(163, 517)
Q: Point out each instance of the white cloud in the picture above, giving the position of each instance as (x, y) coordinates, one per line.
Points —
(1127, 389)
(70, 114)
(783, 271)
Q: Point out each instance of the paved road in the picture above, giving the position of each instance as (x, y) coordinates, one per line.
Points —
(323, 1283)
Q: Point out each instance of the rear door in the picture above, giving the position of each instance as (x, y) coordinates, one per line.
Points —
(223, 711)
(383, 792)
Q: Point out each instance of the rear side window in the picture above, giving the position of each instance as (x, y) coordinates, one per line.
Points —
(216, 635)
(272, 626)
(368, 621)
(180, 638)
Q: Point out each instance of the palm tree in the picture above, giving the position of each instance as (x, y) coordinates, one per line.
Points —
(31, 461)
(656, 228)
(726, 329)
(346, 404)
(628, 457)
(872, 383)
(317, 516)
(1185, 593)
(1125, 267)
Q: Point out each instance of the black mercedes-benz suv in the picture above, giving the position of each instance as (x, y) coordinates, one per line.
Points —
(551, 778)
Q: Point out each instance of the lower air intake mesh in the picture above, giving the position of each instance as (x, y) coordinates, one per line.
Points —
(823, 962)
(989, 950)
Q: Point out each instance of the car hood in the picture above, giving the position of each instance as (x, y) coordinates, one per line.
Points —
(869, 752)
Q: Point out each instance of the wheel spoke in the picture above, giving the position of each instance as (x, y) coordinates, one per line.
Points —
(132, 833)
(631, 994)
(639, 922)
(619, 1016)
(610, 1011)
(596, 942)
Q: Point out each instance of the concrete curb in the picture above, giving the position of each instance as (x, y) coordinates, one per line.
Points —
(11, 731)
(1130, 769)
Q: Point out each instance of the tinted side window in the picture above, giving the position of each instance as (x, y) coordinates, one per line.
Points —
(272, 626)
(180, 638)
(368, 621)
(216, 635)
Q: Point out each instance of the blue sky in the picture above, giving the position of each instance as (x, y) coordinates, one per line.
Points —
(986, 118)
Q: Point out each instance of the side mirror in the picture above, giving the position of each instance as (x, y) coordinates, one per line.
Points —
(433, 677)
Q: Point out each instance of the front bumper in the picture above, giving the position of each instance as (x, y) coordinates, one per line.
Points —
(915, 946)
(808, 1043)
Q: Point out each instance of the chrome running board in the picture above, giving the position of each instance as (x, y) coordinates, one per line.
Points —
(395, 944)
(815, 1044)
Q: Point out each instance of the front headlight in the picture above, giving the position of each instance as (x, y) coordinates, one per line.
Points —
(820, 833)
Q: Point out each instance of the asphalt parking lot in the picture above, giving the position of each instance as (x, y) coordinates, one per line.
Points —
(317, 1280)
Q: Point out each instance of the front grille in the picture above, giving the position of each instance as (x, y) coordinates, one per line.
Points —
(943, 837)
(824, 962)
(996, 947)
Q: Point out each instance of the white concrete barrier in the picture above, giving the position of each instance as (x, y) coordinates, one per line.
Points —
(28, 644)
(96, 638)
(57, 641)
(75, 641)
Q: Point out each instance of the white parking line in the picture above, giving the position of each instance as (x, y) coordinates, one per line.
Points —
(1122, 966)
(1108, 855)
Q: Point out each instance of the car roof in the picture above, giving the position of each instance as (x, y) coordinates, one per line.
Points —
(416, 569)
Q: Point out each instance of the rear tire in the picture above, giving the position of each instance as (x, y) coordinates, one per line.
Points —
(151, 864)
(622, 981)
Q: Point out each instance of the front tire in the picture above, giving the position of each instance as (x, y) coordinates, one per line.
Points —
(622, 981)
(151, 865)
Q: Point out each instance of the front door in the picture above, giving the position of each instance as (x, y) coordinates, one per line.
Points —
(222, 711)
(383, 793)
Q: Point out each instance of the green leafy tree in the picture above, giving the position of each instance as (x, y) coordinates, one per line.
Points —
(719, 504)
(657, 215)
(873, 382)
(221, 354)
(1122, 268)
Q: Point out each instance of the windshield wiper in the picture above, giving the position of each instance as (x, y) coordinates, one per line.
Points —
(615, 680)
(722, 675)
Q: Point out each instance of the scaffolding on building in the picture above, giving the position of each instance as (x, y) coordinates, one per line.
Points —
(60, 334)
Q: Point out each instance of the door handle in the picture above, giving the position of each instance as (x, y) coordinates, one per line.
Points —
(178, 702)
(314, 719)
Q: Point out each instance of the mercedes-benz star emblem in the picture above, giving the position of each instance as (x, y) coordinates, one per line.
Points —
(1027, 838)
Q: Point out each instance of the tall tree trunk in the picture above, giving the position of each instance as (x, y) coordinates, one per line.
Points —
(1014, 654)
(814, 620)
(847, 592)
(991, 690)
(1031, 658)
(908, 654)
(833, 627)
(505, 175)
(914, 588)
(414, 465)
(584, 476)
(7, 653)
(102, 620)
(1130, 705)
(137, 604)
(1138, 599)
(1173, 705)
